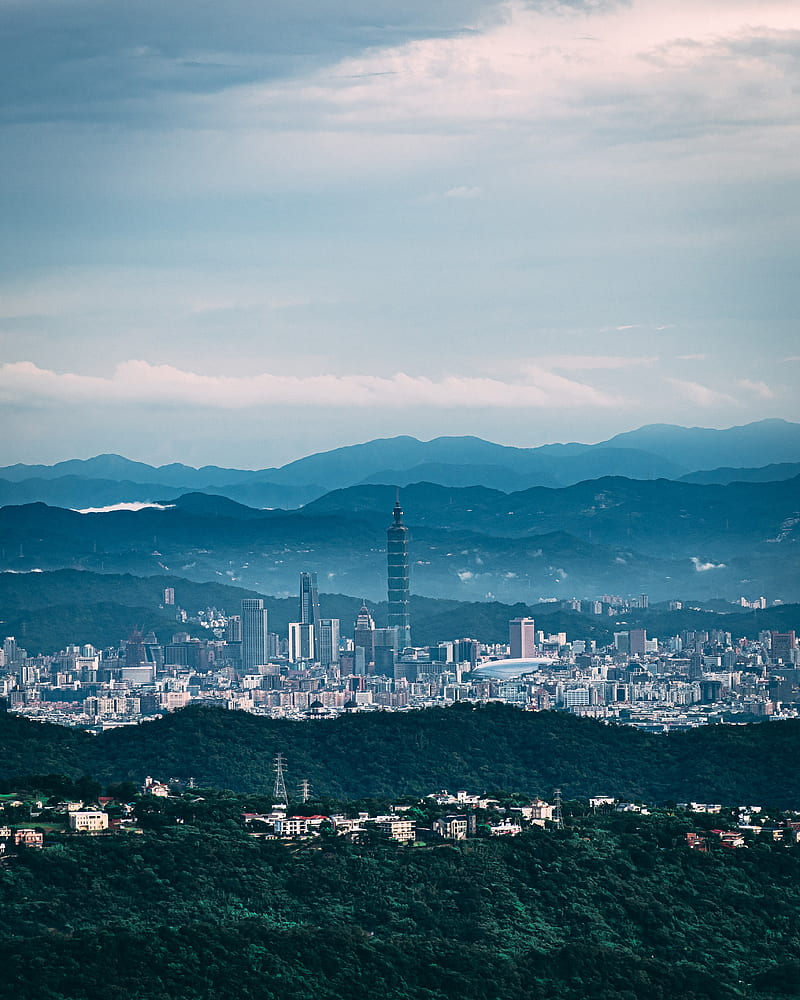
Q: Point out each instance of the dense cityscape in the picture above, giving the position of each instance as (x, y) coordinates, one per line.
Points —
(320, 668)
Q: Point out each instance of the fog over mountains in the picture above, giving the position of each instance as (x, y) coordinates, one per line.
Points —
(669, 537)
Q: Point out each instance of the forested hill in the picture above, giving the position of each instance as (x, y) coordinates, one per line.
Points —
(480, 748)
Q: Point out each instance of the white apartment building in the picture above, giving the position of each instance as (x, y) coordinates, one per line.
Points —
(88, 821)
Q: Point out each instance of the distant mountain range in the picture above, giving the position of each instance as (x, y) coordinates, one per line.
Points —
(764, 451)
(610, 535)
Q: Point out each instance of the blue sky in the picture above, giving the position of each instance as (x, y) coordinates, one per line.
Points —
(240, 233)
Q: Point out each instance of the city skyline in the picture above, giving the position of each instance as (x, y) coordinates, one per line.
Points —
(241, 237)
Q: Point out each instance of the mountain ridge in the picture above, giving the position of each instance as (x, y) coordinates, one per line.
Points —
(613, 535)
(649, 452)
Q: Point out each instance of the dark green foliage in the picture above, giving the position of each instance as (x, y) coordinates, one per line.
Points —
(32, 748)
(614, 908)
(480, 748)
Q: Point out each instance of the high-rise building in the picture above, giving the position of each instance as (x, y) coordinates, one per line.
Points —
(301, 642)
(254, 634)
(169, 595)
(309, 611)
(10, 650)
(521, 638)
(637, 641)
(466, 651)
(135, 654)
(385, 646)
(327, 640)
(783, 647)
(397, 576)
(309, 599)
(364, 634)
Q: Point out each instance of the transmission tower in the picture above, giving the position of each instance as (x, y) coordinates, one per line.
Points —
(279, 793)
(558, 818)
(305, 790)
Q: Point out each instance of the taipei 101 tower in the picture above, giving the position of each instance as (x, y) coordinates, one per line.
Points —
(397, 559)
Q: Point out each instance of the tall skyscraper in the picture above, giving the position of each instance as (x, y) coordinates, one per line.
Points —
(309, 599)
(327, 641)
(254, 634)
(309, 611)
(521, 638)
(397, 576)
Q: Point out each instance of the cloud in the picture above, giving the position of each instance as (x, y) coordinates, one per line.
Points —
(594, 362)
(90, 62)
(138, 382)
(135, 505)
(567, 392)
(699, 70)
(704, 567)
(760, 389)
(463, 192)
(699, 394)
(691, 357)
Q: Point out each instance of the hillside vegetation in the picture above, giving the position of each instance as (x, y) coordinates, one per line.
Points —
(385, 753)
(613, 907)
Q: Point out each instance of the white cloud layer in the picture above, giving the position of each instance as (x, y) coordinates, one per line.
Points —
(758, 388)
(139, 382)
(701, 395)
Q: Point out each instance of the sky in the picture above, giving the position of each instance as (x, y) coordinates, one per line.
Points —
(239, 233)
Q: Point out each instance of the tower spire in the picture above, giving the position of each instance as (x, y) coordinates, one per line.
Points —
(397, 574)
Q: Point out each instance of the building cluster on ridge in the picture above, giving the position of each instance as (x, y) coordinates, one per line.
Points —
(317, 670)
(32, 820)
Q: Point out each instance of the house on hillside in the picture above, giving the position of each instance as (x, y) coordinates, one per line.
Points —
(453, 827)
(28, 838)
(88, 821)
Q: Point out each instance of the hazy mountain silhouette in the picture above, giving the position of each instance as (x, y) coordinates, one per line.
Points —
(611, 535)
(653, 452)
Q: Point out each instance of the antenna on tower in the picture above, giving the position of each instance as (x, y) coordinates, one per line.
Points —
(305, 790)
(280, 781)
(558, 817)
